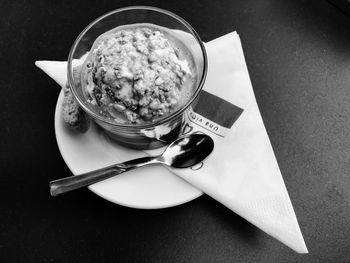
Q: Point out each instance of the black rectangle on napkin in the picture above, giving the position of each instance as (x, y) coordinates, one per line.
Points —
(217, 109)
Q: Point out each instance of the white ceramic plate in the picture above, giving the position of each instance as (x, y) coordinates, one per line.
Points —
(148, 187)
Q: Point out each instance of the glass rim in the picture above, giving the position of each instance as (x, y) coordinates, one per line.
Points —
(171, 116)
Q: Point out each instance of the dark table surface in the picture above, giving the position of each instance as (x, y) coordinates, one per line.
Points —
(298, 56)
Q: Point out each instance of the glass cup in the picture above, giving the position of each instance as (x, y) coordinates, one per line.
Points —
(161, 131)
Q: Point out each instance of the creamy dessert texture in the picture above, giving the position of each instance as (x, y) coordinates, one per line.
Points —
(138, 73)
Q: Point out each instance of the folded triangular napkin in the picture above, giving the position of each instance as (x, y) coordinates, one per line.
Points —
(242, 172)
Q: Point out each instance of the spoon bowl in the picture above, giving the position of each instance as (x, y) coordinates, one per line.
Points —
(188, 151)
(184, 152)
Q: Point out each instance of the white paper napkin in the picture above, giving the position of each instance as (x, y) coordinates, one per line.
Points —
(242, 172)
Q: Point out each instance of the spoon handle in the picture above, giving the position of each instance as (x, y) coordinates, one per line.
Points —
(66, 184)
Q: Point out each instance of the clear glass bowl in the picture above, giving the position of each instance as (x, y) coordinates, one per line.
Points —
(160, 132)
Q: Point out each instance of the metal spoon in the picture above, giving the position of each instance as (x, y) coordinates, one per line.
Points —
(184, 152)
